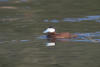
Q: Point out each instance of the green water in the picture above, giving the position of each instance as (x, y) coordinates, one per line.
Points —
(22, 22)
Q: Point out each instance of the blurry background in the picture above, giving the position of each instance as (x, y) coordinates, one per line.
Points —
(22, 22)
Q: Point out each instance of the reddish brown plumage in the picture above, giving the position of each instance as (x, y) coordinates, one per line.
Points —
(61, 35)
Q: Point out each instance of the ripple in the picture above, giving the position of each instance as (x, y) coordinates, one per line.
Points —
(76, 40)
(86, 18)
(42, 37)
(15, 41)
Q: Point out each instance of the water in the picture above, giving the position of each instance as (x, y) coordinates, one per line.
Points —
(3, 0)
(23, 21)
(87, 18)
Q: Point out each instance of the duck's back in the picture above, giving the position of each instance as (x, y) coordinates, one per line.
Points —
(64, 35)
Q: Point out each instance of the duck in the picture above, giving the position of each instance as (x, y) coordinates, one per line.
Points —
(51, 33)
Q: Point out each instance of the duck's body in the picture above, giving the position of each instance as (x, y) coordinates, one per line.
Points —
(52, 34)
(61, 35)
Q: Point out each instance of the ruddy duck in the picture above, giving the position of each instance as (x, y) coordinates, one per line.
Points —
(52, 36)
(51, 33)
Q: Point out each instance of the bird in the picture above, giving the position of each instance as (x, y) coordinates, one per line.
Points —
(51, 33)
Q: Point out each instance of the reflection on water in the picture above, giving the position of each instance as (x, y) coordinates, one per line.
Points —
(15, 41)
(82, 37)
(87, 18)
(50, 44)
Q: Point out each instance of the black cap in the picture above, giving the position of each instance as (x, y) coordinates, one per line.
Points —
(50, 27)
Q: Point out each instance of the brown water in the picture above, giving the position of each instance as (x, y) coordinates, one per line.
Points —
(23, 21)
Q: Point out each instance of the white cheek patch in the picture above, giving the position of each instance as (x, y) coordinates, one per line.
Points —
(49, 30)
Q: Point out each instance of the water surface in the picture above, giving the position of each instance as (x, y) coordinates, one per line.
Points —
(22, 21)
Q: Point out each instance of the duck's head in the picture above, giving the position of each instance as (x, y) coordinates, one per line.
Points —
(50, 29)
